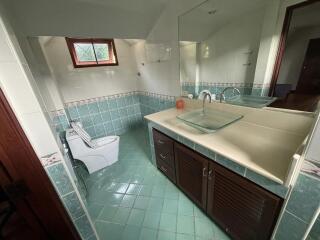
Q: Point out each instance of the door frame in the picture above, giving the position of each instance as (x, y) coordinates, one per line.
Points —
(23, 165)
(282, 42)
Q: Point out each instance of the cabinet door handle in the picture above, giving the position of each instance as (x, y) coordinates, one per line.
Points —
(210, 174)
(160, 141)
(204, 172)
(163, 169)
(163, 156)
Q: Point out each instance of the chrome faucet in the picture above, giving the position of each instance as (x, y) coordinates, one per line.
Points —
(227, 88)
(204, 100)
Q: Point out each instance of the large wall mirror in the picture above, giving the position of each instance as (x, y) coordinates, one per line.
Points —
(296, 78)
(227, 43)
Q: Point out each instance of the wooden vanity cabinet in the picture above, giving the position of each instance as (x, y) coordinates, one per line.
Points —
(242, 208)
(191, 172)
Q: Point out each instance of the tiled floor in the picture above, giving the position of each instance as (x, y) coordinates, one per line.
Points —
(133, 200)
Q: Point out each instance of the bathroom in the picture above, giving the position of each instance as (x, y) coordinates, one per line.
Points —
(139, 76)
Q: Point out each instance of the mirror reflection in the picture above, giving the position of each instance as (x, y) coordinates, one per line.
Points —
(226, 53)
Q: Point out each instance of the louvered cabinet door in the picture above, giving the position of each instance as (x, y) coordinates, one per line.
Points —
(243, 209)
(191, 172)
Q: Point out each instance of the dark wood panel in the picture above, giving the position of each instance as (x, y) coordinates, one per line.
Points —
(36, 199)
(167, 170)
(191, 171)
(243, 209)
(163, 148)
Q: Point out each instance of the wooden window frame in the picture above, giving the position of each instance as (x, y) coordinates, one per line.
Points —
(77, 64)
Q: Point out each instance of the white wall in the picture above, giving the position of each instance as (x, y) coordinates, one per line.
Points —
(188, 62)
(163, 77)
(296, 47)
(224, 53)
(43, 77)
(18, 84)
(83, 83)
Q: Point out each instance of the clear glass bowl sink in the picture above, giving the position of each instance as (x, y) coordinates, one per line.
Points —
(210, 120)
(250, 101)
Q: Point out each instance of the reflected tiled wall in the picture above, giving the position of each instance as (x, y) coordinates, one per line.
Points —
(217, 88)
(62, 183)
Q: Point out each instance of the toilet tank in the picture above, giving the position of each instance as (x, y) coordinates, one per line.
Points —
(76, 144)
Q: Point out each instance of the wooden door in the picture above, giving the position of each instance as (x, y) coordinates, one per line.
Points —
(309, 81)
(191, 171)
(26, 183)
(20, 222)
(243, 209)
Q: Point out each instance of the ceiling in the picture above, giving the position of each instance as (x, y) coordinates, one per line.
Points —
(198, 24)
(85, 18)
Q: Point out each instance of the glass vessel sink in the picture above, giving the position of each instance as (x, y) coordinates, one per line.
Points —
(209, 120)
(250, 101)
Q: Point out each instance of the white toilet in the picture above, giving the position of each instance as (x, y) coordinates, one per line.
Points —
(95, 154)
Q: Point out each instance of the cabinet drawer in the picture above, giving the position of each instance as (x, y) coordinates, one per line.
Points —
(163, 148)
(166, 170)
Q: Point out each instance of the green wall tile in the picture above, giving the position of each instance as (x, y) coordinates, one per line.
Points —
(59, 177)
(72, 203)
(291, 228)
(305, 197)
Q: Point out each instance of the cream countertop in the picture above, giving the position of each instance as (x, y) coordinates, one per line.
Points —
(263, 141)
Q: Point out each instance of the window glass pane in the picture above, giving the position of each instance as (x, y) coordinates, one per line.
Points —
(84, 52)
(102, 51)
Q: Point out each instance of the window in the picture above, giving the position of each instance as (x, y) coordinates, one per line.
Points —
(92, 52)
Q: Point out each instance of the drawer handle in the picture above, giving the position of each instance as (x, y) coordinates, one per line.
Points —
(210, 174)
(163, 156)
(204, 172)
(163, 169)
(160, 141)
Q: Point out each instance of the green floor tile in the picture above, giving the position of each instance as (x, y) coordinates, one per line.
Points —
(112, 199)
(168, 222)
(117, 187)
(185, 207)
(128, 201)
(146, 190)
(141, 202)
(109, 231)
(152, 220)
(131, 233)
(148, 234)
(155, 204)
(162, 235)
(170, 206)
(107, 213)
(131, 199)
(136, 217)
(204, 228)
(121, 216)
(185, 224)
(95, 209)
(158, 191)
(187, 237)
(134, 189)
